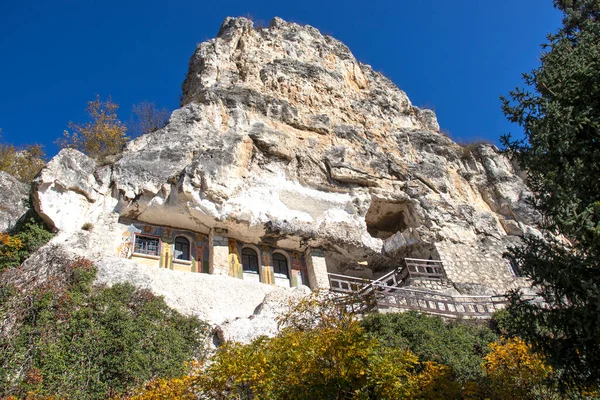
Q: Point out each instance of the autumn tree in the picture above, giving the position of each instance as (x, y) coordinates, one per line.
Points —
(515, 371)
(322, 352)
(24, 162)
(103, 135)
(559, 111)
(147, 118)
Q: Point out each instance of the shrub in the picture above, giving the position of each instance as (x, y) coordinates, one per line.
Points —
(468, 147)
(147, 118)
(23, 163)
(331, 356)
(28, 236)
(515, 371)
(316, 363)
(328, 356)
(459, 345)
(86, 342)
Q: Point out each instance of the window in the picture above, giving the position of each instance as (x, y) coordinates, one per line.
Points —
(146, 245)
(249, 260)
(182, 248)
(280, 265)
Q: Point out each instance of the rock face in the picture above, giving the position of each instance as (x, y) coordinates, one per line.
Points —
(283, 139)
(14, 196)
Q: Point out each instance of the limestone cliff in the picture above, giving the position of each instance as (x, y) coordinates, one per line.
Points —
(284, 139)
(14, 197)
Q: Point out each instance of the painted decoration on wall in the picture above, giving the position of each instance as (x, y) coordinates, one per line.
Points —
(299, 270)
(167, 235)
(235, 264)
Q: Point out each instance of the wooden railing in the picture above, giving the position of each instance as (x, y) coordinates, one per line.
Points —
(431, 302)
(415, 269)
(424, 269)
(388, 292)
(347, 284)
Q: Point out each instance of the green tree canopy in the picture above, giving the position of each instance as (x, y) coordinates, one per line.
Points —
(458, 344)
(559, 111)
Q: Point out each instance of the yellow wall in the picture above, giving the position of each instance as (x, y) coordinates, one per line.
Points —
(146, 261)
(182, 267)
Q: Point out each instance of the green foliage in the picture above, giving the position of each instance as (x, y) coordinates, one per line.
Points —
(459, 345)
(331, 356)
(327, 356)
(559, 112)
(79, 341)
(29, 235)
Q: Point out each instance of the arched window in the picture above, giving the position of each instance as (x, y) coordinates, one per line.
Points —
(182, 248)
(249, 260)
(280, 265)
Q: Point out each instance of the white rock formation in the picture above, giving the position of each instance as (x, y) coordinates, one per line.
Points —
(14, 196)
(285, 139)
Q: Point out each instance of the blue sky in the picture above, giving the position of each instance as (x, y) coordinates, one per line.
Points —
(456, 56)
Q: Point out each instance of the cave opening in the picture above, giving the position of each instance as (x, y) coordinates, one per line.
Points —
(385, 218)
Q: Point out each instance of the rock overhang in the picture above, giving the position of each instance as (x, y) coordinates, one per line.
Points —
(285, 138)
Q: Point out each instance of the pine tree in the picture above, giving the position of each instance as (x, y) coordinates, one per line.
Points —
(559, 111)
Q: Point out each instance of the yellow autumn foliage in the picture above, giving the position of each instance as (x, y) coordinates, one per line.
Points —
(9, 245)
(322, 351)
(174, 388)
(103, 135)
(514, 370)
(23, 163)
(308, 364)
(328, 356)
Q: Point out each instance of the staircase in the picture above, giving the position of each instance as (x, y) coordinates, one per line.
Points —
(390, 293)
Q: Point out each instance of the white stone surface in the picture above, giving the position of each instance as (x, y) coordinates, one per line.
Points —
(285, 139)
(13, 200)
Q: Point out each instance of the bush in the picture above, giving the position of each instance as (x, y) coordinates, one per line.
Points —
(323, 352)
(28, 236)
(86, 342)
(319, 363)
(459, 345)
(147, 118)
(23, 163)
(326, 356)
(468, 147)
(515, 371)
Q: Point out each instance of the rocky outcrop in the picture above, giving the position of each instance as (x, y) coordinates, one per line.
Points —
(14, 200)
(240, 310)
(72, 190)
(284, 135)
(284, 139)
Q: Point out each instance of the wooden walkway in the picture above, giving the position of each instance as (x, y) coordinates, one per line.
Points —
(390, 292)
(436, 303)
